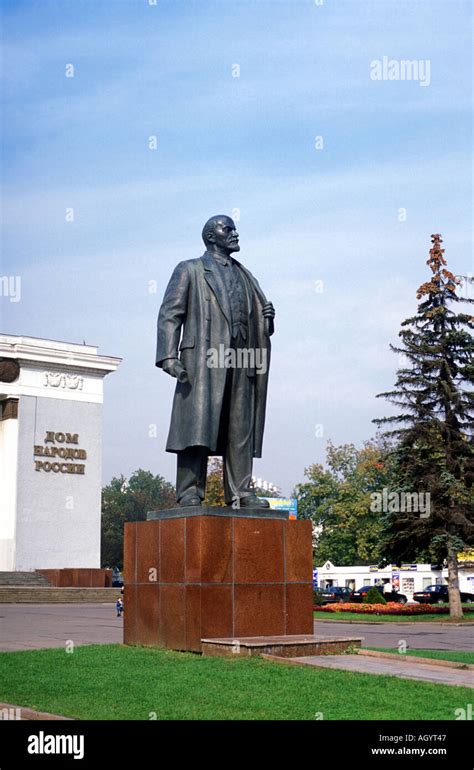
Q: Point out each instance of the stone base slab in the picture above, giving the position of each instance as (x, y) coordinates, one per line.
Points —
(282, 646)
(215, 510)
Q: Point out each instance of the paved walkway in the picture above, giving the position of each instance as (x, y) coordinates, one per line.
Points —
(419, 635)
(405, 669)
(32, 626)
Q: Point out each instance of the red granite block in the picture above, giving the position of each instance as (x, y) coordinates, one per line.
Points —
(299, 608)
(78, 577)
(98, 578)
(148, 551)
(172, 616)
(258, 550)
(298, 551)
(130, 615)
(129, 552)
(81, 578)
(171, 567)
(217, 577)
(193, 617)
(259, 610)
(193, 550)
(148, 613)
(216, 611)
(208, 550)
(66, 577)
(216, 550)
(208, 613)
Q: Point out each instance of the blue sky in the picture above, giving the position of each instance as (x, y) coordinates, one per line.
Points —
(229, 143)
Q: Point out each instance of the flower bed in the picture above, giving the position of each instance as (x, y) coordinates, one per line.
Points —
(391, 608)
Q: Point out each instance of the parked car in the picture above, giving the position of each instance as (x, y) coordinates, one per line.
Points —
(393, 596)
(334, 595)
(438, 594)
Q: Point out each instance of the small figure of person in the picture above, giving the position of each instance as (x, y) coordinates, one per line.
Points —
(119, 607)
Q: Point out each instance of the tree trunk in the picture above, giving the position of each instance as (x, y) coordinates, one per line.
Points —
(455, 608)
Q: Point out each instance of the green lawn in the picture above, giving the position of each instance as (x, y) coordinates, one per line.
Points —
(118, 682)
(458, 657)
(361, 618)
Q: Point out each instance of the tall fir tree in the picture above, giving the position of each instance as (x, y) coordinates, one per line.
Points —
(434, 442)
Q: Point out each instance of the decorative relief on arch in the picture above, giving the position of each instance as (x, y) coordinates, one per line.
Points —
(63, 380)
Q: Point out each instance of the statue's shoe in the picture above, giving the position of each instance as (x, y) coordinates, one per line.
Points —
(252, 501)
(188, 500)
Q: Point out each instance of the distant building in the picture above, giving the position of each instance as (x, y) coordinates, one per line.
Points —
(267, 486)
(51, 396)
(407, 579)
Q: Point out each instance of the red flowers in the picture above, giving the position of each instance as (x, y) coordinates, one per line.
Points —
(391, 608)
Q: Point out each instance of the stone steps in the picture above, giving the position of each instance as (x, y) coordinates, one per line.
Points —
(29, 595)
(33, 579)
(288, 646)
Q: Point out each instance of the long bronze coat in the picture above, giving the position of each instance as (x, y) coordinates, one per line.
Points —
(196, 304)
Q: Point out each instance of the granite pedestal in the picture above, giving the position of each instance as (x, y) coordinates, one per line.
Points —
(200, 573)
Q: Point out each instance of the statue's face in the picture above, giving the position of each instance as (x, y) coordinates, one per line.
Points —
(225, 235)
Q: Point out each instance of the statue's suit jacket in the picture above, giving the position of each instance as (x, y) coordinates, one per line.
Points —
(196, 306)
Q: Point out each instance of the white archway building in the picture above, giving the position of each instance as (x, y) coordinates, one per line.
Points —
(51, 396)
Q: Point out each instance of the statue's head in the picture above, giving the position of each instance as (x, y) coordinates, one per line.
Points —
(220, 233)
